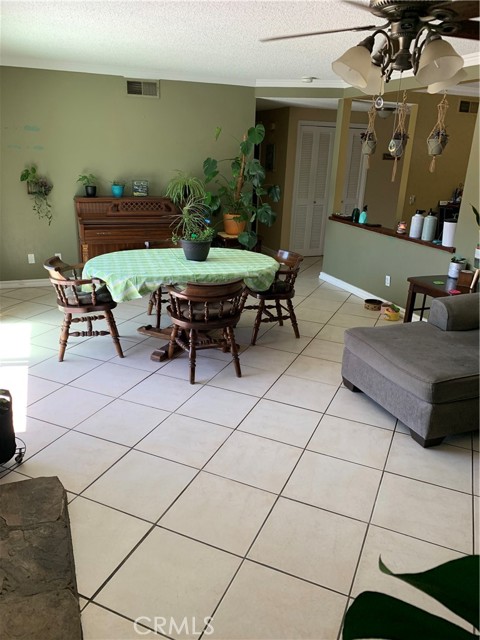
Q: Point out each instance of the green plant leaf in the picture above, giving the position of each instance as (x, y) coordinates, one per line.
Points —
(246, 147)
(455, 584)
(274, 192)
(376, 615)
(265, 215)
(218, 131)
(248, 239)
(256, 134)
(210, 169)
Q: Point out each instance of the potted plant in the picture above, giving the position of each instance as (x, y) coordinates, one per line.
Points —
(182, 186)
(88, 180)
(117, 188)
(192, 230)
(241, 190)
(397, 144)
(38, 187)
(457, 263)
(369, 142)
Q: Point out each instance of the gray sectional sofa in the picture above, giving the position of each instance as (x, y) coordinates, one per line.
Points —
(424, 373)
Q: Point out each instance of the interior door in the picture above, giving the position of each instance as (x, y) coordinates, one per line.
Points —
(312, 174)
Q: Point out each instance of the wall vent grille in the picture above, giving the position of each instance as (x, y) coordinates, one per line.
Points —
(465, 106)
(144, 88)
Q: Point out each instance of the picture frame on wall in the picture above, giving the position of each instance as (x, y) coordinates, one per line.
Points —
(140, 187)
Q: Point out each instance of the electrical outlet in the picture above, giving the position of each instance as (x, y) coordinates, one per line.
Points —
(387, 281)
(59, 255)
(31, 258)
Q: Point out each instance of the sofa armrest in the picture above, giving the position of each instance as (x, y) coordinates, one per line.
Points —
(455, 313)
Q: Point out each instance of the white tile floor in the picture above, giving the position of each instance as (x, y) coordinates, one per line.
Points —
(246, 509)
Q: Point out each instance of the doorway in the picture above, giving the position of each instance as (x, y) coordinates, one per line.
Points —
(313, 167)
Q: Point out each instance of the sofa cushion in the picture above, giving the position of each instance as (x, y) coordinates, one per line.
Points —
(434, 365)
(455, 313)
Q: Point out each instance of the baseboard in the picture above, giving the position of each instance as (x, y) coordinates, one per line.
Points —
(360, 293)
(18, 284)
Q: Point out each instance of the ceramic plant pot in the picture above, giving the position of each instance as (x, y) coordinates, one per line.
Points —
(196, 250)
(396, 147)
(90, 190)
(231, 226)
(455, 268)
(117, 190)
(436, 145)
(368, 147)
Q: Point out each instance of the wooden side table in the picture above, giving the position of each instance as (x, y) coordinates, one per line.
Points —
(433, 286)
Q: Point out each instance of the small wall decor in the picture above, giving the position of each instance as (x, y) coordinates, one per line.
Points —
(38, 187)
(399, 139)
(369, 137)
(438, 138)
(140, 187)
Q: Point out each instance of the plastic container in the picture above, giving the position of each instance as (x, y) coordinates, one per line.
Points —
(429, 228)
(416, 226)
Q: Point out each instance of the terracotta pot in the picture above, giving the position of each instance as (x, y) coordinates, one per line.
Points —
(231, 226)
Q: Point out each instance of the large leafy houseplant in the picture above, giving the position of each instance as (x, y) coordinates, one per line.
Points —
(455, 584)
(240, 191)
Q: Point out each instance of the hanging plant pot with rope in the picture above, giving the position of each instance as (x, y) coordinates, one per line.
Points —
(369, 136)
(396, 146)
(438, 138)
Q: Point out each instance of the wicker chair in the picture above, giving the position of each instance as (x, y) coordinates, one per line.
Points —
(72, 299)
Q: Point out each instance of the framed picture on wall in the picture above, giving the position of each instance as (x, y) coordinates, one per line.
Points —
(140, 187)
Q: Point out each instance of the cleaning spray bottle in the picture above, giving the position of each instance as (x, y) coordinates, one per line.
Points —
(363, 216)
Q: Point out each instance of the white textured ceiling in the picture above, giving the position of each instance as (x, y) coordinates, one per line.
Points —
(200, 40)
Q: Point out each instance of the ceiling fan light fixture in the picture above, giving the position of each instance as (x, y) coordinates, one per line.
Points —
(374, 81)
(438, 62)
(354, 65)
(436, 87)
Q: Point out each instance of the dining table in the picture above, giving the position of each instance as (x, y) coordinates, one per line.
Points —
(135, 273)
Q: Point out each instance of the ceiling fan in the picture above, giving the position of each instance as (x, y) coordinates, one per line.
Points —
(407, 21)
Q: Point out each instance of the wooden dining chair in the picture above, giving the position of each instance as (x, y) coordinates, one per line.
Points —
(204, 316)
(279, 294)
(72, 299)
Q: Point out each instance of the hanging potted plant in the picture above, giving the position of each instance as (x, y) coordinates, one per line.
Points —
(241, 190)
(396, 146)
(369, 137)
(192, 230)
(39, 188)
(88, 180)
(438, 138)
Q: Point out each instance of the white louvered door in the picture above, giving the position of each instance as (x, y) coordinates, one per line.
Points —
(312, 175)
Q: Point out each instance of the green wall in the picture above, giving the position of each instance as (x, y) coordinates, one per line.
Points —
(363, 258)
(72, 123)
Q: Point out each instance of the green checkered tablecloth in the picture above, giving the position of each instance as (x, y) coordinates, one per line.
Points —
(133, 274)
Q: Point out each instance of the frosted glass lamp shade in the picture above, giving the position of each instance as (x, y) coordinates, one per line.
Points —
(354, 66)
(438, 62)
(436, 87)
(374, 81)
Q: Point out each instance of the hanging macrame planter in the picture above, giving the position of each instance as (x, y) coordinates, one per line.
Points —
(369, 137)
(438, 138)
(396, 146)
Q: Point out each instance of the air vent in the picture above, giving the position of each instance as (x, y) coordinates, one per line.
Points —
(465, 106)
(144, 88)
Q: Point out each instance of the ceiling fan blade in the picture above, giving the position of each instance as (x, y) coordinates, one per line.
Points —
(468, 29)
(464, 9)
(319, 33)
